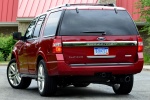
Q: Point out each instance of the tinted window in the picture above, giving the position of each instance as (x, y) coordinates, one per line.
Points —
(38, 26)
(29, 31)
(94, 22)
(52, 23)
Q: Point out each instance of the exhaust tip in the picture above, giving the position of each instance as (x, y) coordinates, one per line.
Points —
(127, 79)
(104, 75)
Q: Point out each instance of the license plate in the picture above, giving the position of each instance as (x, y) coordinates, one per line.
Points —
(101, 51)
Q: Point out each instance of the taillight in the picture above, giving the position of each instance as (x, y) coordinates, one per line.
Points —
(57, 47)
(140, 44)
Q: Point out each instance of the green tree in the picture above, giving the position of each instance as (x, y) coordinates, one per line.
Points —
(144, 6)
(144, 10)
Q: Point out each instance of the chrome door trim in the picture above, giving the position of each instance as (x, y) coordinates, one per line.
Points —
(101, 64)
(93, 57)
(100, 43)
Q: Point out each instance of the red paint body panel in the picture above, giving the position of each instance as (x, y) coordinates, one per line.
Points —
(62, 65)
(84, 51)
(21, 56)
(130, 7)
(65, 69)
(8, 10)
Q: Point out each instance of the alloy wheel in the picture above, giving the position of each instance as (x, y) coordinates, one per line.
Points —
(13, 74)
(41, 78)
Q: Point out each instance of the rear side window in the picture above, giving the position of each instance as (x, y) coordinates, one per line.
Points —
(52, 23)
(38, 26)
(94, 22)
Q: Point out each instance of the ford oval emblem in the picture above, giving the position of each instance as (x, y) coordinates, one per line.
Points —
(101, 38)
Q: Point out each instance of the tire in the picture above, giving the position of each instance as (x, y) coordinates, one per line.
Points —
(46, 84)
(124, 87)
(14, 78)
(81, 84)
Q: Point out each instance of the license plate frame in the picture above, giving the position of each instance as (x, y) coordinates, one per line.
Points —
(101, 51)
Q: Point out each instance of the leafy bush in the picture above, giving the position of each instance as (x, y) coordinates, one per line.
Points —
(146, 58)
(6, 45)
(1, 56)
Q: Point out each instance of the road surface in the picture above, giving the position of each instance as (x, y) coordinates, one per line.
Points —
(141, 90)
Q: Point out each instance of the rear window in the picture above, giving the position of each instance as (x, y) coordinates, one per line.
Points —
(96, 22)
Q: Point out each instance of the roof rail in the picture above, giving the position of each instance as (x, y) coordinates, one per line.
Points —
(85, 4)
(65, 5)
(90, 4)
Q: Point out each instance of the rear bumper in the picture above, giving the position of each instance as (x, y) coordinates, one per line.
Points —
(65, 69)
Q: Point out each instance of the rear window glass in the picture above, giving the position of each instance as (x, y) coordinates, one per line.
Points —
(96, 22)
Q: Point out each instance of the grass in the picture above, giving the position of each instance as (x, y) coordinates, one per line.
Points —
(4, 62)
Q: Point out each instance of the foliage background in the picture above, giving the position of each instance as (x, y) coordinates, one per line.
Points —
(144, 10)
(6, 44)
(144, 6)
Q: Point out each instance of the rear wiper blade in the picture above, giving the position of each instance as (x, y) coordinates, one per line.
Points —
(102, 32)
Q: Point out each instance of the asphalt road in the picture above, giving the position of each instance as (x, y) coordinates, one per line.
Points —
(141, 91)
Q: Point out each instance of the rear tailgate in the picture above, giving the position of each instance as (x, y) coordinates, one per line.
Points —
(98, 37)
(91, 50)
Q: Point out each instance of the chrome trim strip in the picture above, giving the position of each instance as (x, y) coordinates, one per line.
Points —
(100, 43)
(91, 57)
(128, 55)
(102, 64)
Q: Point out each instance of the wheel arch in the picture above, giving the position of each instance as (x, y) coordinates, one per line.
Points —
(14, 56)
(40, 57)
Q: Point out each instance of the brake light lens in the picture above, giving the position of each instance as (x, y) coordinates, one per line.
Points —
(57, 48)
(140, 44)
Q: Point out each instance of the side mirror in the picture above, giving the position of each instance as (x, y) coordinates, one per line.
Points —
(17, 36)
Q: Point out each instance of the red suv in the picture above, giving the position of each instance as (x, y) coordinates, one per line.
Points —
(77, 44)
